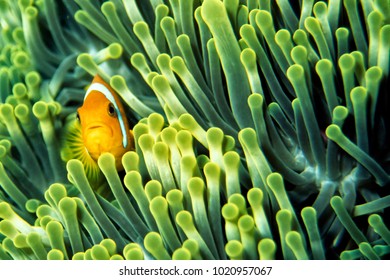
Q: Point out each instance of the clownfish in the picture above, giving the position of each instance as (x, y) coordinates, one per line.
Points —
(104, 125)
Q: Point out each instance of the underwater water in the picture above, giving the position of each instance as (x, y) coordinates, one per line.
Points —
(261, 130)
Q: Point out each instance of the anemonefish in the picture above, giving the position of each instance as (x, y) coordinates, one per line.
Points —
(104, 125)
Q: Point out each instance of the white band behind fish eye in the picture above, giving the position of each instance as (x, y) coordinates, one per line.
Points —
(107, 93)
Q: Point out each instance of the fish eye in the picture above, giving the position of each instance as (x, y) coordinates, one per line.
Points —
(111, 110)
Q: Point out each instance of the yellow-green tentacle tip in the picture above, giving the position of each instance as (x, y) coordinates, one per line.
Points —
(78, 256)
(187, 121)
(267, 249)
(116, 257)
(294, 241)
(34, 241)
(133, 251)
(130, 161)
(56, 192)
(181, 254)
(230, 212)
(234, 250)
(193, 247)
(110, 246)
(368, 251)
(88, 255)
(55, 254)
(377, 223)
(99, 252)
(134, 254)
(8, 229)
(153, 189)
(154, 244)
(55, 232)
(20, 241)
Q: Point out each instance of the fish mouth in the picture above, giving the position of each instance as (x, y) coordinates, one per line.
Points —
(95, 129)
(97, 126)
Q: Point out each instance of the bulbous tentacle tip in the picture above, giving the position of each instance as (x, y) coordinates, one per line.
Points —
(55, 254)
(234, 250)
(134, 254)
(74, 164)
(106, 160)
(181, 254)
(267, 249)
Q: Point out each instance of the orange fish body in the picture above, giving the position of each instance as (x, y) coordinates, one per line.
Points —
(104, 126)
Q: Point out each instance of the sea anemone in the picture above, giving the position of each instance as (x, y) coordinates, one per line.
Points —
(260, 130)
